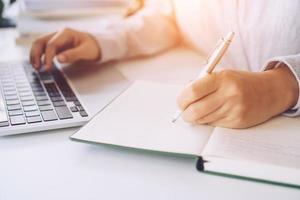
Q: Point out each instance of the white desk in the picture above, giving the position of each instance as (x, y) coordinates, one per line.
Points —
(49, 166)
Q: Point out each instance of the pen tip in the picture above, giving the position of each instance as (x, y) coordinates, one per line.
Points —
(174, 119)
(177, 115)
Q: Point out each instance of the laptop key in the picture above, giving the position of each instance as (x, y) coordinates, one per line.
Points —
(34, 119)
(10, 93)
(51, 87)
(56, 98)
(68, 93)
(54, 94)
(39, 89)
(23, 87)
(35, 82)
(49, 115)
(25, 94)
(32, 113)
(74, 109)
(15, 112)
(77, 103)
(27, 98)
(27, 89)
(83, 113)
(73, 98)
(17, 120)
(28, 103)
(46, 107)
(80, 108)
(6, 78)
(14, 107)
(3, 115)
(14, 97)
(8, 85)
(12, 102)
(9, 89)
(2, 124)
(30, 108)
(22, 82)
(59, 103)
(39, 93)
(41, 98)
(45, 76)
(63, 112)
(43, 103)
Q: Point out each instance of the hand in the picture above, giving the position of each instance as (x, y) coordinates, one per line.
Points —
(68, 45)
(239, 99)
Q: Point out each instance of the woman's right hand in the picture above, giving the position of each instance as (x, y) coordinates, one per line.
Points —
(68, 45)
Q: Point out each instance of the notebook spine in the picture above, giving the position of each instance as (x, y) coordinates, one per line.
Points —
(200, 164)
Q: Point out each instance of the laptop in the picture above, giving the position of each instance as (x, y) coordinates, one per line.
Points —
(35, 101)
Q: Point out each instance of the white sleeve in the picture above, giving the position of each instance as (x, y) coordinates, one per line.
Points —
(149, 31)
(293, 63)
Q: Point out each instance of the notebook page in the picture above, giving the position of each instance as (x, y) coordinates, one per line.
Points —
(141, 118)
(276, 142)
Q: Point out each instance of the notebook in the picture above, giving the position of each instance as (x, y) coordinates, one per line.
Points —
(141, 118)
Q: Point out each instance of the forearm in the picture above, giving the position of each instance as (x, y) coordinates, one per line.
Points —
(150, 31)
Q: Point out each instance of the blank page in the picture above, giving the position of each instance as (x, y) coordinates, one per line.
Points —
(141, 118)
(276, 142)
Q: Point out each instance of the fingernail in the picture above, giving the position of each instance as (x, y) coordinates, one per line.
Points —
(61, 58)
(36, 65)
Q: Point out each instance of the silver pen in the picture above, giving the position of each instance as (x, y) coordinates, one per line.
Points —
(212, 62)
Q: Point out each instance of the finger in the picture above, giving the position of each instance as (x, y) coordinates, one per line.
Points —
(75, 54)
(203, 107)
(217, 115)
(222, 122)
(197, 90)
(50, 53)
(59, 40)
(37, 50)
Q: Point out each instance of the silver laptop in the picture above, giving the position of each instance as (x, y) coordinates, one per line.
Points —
(35, 101)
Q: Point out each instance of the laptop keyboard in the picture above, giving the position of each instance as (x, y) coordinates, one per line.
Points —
(29, 97)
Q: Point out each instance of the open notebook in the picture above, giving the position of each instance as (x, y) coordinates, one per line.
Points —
(141, 118)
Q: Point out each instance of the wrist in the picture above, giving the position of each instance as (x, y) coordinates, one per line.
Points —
(283, 88)
(98, 56)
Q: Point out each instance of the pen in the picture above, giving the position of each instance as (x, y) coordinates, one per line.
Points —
(213, 61)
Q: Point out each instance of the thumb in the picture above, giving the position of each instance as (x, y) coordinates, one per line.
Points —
(71, 55)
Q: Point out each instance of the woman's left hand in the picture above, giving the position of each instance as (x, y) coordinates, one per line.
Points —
(239, 99)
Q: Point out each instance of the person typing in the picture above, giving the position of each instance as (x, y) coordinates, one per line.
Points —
(260, 73)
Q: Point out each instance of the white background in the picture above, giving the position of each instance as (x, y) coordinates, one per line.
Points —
(49, 166)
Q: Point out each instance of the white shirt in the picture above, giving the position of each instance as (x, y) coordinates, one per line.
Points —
(266, 31)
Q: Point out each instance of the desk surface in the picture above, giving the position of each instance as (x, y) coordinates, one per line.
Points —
(49, 166)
